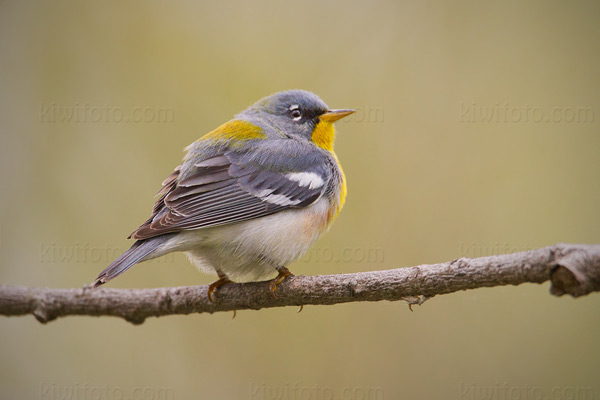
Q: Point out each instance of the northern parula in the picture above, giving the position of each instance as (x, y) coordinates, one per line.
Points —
(251, 196)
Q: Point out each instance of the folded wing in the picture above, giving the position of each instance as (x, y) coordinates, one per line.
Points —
(226, 188)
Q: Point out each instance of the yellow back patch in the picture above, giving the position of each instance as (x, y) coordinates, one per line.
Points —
(235, 130)
(323, 135)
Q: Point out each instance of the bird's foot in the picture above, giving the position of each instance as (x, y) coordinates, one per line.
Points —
(215, 285)
(284, 273)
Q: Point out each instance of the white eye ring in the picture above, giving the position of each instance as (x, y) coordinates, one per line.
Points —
(295, 112)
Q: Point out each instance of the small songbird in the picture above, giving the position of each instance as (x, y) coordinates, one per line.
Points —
(251, 196)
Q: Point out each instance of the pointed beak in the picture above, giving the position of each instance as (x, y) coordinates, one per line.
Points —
(334, 115)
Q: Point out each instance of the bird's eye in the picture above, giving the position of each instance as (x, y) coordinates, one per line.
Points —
(295, 112)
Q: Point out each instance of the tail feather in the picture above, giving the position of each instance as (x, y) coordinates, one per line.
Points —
(136, 253)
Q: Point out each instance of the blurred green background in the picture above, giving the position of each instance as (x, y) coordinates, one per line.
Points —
(477, 133)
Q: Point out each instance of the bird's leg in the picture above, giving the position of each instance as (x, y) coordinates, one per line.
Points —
(223, 279)
(283, 274)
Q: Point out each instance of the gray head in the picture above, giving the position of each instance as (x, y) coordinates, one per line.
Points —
(294, 113)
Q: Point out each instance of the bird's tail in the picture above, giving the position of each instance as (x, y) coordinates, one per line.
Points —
(140, 251)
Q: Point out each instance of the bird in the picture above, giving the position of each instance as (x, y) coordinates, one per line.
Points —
(250, 197)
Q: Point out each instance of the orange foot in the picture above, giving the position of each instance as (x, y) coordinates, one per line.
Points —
(215, 285)
(283, 274)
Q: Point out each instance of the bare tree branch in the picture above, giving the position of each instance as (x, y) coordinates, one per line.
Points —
(572, 269)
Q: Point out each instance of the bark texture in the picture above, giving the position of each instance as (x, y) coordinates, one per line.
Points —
(572, 269)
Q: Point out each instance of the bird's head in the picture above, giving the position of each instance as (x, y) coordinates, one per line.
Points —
(298, 114)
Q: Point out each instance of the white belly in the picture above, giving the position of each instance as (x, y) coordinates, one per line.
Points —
(251, 250)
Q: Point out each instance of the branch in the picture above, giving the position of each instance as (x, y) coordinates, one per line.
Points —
(572, 269)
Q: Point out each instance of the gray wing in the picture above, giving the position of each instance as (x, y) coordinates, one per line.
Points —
(232, 187)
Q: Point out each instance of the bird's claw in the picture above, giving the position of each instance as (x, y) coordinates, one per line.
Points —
(284, 273)
(215, 285)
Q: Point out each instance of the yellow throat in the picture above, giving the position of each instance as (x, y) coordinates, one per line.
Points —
(323, 136)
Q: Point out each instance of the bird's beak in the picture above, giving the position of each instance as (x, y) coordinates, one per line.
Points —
(334, 115)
